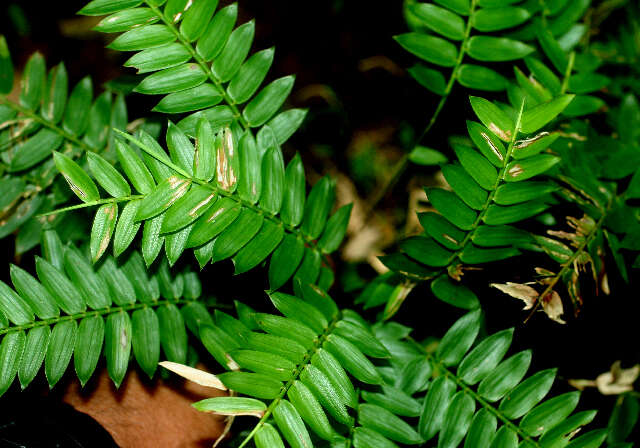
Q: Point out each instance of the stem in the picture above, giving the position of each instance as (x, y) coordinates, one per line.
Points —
(202, 63)
(454, 74)
(101, 312)
(567, 73)
(295, 230)
(401, 165)
(48, 124)
(437, 365)
(92, 203)
(294, 377)
(499, 181)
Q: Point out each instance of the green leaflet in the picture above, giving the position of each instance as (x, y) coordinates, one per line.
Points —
(102, 7)
(290, 424)
(387, 424)
(217, 32)
(234, 52)
(79, 182)
(293, 204)
(188, 208)
(481, 78)
(125, 19)
(173, 335)
(181, 77)
(268, 437)
(498, 19)
(457, 420)
(35, 348)
(197, 18)
(477, 166)
(117, 345)
(435, 406)
(6, 67)
(143, 37)
(493, 118)
(33, 293)
(535, 118)
(465, 186)
(158, 58)
(452, 208)
(88, 347)
(259, 248)
(34, 82)
(61, 344)
(429, 48)
(231, 406)
(440, 20)
(107, 176)
(11, 350)
(102, 230)
(273, 180)
(485, 48)
(36, 149)
(268, 101)
(251, 74)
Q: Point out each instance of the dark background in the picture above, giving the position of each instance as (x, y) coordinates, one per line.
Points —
(351, 74)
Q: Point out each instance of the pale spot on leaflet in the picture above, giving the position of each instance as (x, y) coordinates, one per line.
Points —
(124, 340)
(504, 135)
(515, 170)
(492, 146)
(194, 211)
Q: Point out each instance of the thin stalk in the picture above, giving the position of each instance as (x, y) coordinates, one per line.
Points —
(440, 367)
(499, 181)
(202, 63)
(294, 377)
(454, 74)
(64, 134)
(92, 203)
(101, 312)
(401, 165)
(295, 230)
(567, 73)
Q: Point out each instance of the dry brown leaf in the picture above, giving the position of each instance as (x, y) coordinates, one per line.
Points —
(614, 382)
(552, 306)
(520, 291)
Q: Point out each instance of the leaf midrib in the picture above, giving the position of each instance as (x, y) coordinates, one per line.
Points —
(101, 312)
(438, 366)
(204, 66)
(294, 377)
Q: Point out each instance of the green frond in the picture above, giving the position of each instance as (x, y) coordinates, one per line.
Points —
(443, 34)
(75, 309)
(474, 396)
(300, 368)
(491, 190)
(199, 60)
(227, 196)
(290, 374)
(45, 119)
